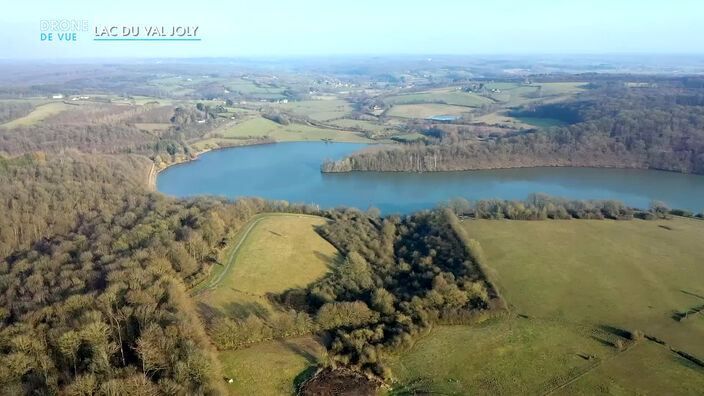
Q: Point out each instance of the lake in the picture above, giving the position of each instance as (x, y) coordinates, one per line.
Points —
(444, 118)
(291, 172)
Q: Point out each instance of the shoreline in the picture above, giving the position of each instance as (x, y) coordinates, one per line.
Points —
(490, 168)
(155, 170)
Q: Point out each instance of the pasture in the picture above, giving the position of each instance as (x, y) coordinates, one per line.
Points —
(425, 110)
(450, 96)
(270, 368)
(319, 110)
(541, 122)
(280, 252)
(260, 127)
(570, 286)
(363, 125)
(40, 114)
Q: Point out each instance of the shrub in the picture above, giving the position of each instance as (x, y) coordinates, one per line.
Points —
(619, 345)
(681, 212)
(637, 335)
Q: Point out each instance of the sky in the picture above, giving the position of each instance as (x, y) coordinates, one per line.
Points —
(236, 28)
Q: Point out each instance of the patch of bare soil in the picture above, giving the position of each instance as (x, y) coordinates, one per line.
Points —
(339, 382)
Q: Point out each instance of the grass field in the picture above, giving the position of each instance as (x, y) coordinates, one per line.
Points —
(248, 87)
(500, 117)
(320, 110)
(502, 356)
(573, 281)
(425, 110)
(208, 144)
(271, 368)
(361, 124)
(541, 122)
(450, 96)
(636, 274)
(562, 88)
(258, 127)
(517, 94)
(279, 253)
(40, 114)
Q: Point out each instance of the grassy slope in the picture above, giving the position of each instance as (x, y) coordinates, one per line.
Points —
(270, 368)
(39, 114)
(513, 95)
(631, 274)
(286, 133)
(570, 278)
(320, 110)
(541, 122)
(361, 124)
(281, 252)
(425, 110)
(451, 96)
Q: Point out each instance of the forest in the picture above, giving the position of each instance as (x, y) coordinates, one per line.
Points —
(93, 276)
(609, 125)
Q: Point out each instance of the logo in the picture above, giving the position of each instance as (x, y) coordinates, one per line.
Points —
(61, 29)
(52, 30)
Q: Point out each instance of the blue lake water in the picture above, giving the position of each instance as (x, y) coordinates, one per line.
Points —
(444, 118)
(291, 172)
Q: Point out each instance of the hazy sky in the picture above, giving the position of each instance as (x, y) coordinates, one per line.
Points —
(288, 27)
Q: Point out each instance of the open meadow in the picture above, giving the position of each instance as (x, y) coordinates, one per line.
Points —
(572, 287)
(425, 110)
(319, 110)
(278, 253)
(262, 127)
(39, 114)
(451, 96)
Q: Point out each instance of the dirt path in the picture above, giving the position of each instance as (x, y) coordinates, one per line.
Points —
(151, 179)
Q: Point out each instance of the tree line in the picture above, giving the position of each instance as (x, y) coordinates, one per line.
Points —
(540, 206)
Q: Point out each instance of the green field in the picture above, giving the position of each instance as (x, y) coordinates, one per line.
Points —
(248, 87)
(425, 110)
(260, 127)
(450, 96)
(39, 114)
(270, 368)
(572, 283)
(319, 110)
(513, 94)
(562, 88)
(361, 124)
(279, 253)
(541, 122)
